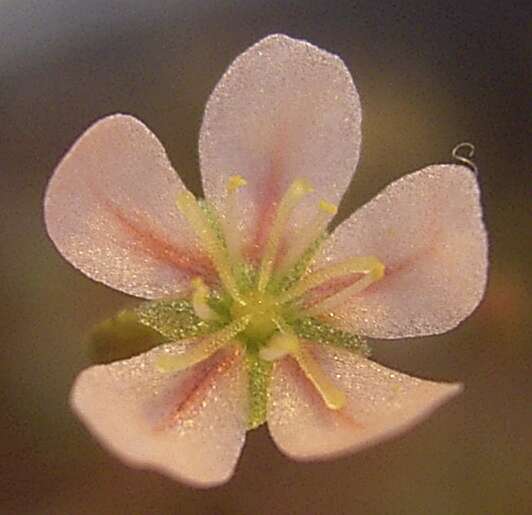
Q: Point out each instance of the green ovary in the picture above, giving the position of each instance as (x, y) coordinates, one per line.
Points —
(263, 311)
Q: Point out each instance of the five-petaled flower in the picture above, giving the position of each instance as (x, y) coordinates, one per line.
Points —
(260, 313)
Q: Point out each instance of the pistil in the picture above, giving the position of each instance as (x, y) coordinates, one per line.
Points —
(205, 348)
(370, 266)
(332, 396)
(190, 208)
(286, 342)
(338, 298)
(232, 231)
(297, 190)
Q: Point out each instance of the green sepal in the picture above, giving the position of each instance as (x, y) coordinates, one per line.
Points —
(120, 337)
(259, 376)
(175, 319)
(317, 331)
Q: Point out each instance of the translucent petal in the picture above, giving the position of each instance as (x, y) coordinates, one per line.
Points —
(427, 230)
(189, 425)
(381, 403)
(110, 210)
(283, 110)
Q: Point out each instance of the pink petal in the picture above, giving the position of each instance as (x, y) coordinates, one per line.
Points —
(381, 403)
(283, 110)
(110, 210)
(190, 425)
(427, 230)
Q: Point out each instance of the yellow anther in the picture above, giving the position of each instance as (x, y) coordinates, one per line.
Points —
(328, 207)
(235, 182)
(278, 346)
(191, 210)
(331, 395)
(200, 298)
(297, 190)
(361, 265)
(203, 349)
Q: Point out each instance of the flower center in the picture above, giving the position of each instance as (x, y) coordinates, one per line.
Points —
(263, 311)
(259, 311)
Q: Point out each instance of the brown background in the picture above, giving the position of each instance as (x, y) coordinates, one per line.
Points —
(429, 77)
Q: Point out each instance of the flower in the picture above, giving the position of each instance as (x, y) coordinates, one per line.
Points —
(259, 313)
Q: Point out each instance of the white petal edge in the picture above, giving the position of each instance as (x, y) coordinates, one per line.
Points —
(110, 210)
(381, 404)
(428, 231)
(284, 109)
(189, 425)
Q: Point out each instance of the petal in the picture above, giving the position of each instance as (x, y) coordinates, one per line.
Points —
(189, 425)
(381, 403)
(427, 230)
(110, 210)
(283, 110)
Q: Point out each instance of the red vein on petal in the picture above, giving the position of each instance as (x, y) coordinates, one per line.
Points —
(268, 196)
(323, 291)
(155, 246)
(198, 389)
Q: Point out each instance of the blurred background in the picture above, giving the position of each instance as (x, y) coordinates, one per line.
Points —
(430, 75)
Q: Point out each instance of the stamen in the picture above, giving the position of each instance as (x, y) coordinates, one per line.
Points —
(361, 265)
(231, 229)
(297, 190)
(203, 349)
(332, 396)
(199, 301)
(188, 205)
(309, 234)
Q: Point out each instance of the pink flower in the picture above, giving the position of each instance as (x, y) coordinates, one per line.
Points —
(261, 315)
